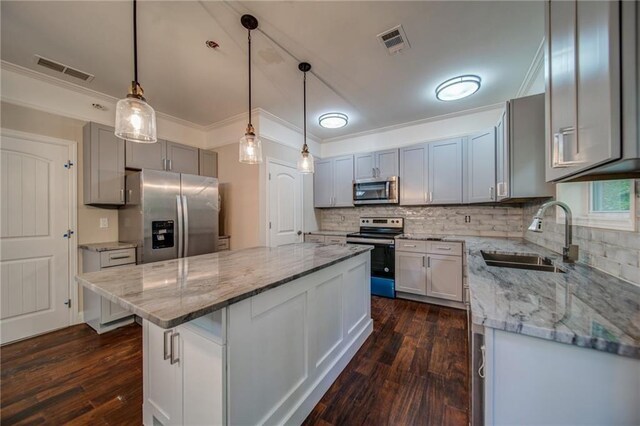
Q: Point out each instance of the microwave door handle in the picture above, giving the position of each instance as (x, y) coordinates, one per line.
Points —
(387, 190)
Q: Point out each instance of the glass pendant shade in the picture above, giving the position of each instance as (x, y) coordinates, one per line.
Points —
(135, 120)
(305, 163)
(250, 149)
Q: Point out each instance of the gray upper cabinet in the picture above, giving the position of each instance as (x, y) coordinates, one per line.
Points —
(333, 182)
(445, 172)
(583, 80)
(414, 184)
(480, 167)
(146, 155)
(103, 158)
(520, 157)
(208, 163)
(382, 164)
(182, 158)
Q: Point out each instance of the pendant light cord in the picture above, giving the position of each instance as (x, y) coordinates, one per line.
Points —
(304, 108)
(249, 40)
(135, 43)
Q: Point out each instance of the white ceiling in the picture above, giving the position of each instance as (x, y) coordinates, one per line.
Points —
(183, 78)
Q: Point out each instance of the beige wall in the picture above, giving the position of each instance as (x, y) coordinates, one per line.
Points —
(240, 198)
(42, 123)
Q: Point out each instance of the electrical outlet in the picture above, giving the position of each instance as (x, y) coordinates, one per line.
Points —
(104, 222)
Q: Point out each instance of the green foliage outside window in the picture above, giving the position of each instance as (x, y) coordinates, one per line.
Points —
(611, 196)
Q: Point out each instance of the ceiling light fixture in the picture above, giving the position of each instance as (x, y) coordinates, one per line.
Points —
(458, 87)
(135, 119)
(250, 144)
(305, 162)
(333, 120)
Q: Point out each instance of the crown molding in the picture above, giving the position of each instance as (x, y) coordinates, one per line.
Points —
(534, 68)
(416, 122)
(26, 72)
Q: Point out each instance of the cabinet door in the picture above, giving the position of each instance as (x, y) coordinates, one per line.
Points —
(162, 380)
(343, 181)
(365, 165)
(502, 157)
(444, 277)
(480, 182)
(208, 163)
(411, 272)
(387, 163)
(146, 155)
(323, 184)
(414, 179)
(203, 372)
(103, 165)
(445, 172)
(182, 158)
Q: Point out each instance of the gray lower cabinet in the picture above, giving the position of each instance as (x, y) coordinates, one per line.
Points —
(208, 163)
(182, 158)
(99, 313)
(163, 155)
(333, 182)
(444, 277)
(411, 272)
(414, 179)
(520, 154)
(382, 164)
(480, 167)
(103, 165)
(445, 172)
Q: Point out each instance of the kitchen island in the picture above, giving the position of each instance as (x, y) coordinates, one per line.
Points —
(244, 337)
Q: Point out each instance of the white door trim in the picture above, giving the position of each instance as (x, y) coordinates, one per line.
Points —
(75, 316)
(271, 160)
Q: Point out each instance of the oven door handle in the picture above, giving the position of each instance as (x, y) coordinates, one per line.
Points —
(370, 241)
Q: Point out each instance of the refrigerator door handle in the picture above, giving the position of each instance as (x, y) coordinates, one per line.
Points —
(185, 214)
(180, 227)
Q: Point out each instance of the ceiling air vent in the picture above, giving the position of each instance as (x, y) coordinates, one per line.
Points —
(57, 66)
(395, 40)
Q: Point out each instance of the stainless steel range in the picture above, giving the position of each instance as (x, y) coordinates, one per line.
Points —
(380, 232)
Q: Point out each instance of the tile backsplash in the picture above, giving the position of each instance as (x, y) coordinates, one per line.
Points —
(489, 221)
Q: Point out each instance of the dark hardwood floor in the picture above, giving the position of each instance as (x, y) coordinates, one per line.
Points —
(412, 370)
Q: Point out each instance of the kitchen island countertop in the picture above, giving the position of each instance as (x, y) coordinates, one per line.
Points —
(173, 292)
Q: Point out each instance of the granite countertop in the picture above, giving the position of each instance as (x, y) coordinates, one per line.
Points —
(173, 292)
(583, 307)
(112, 245)
(331, 233)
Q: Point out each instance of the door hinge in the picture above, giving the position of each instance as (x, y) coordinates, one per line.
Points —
(68, 164)
(68, 303)
(68, 234)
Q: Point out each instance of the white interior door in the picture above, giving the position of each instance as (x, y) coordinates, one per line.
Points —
(35, 212)
(285, 204)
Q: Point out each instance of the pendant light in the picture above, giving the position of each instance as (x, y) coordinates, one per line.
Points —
(305, 162)
(250, 144)
(135, 119)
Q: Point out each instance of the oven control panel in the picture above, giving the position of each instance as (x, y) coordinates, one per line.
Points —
(382, 222)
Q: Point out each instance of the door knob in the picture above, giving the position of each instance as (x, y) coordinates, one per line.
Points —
(299, 232)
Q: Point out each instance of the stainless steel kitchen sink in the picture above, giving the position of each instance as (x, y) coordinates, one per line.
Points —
(520, 261)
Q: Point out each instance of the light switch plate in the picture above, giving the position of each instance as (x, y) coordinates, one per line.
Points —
(104, 222)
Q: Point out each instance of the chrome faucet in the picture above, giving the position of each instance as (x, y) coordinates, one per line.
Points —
(569, 251)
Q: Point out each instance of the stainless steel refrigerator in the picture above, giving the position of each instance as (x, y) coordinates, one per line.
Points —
(169, 215)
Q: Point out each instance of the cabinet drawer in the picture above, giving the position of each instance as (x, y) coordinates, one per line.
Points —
(223, 244)
(117, 257)
(335, 240)
(314, 238)
(452, 249)
(411, 245)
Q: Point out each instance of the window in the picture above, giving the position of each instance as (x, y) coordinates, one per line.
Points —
(602, 204)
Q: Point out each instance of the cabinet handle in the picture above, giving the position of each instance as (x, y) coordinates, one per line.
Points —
(170, 165)
(164, 164)
(481, 371)
(428, 261)
(174, 359)
(443, 248)
(408, 245)
(119, 256)
(430, 197)
(423, 265)
(122, 195)
(166, 345)
(491, 192)
(425, 197)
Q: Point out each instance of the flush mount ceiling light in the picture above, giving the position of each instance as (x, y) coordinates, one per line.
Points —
(305, 162)
(250, 144)
(333, 120)
(135, 119)
(458, 87)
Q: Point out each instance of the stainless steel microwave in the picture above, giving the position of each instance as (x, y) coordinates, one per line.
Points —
(376, 191)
